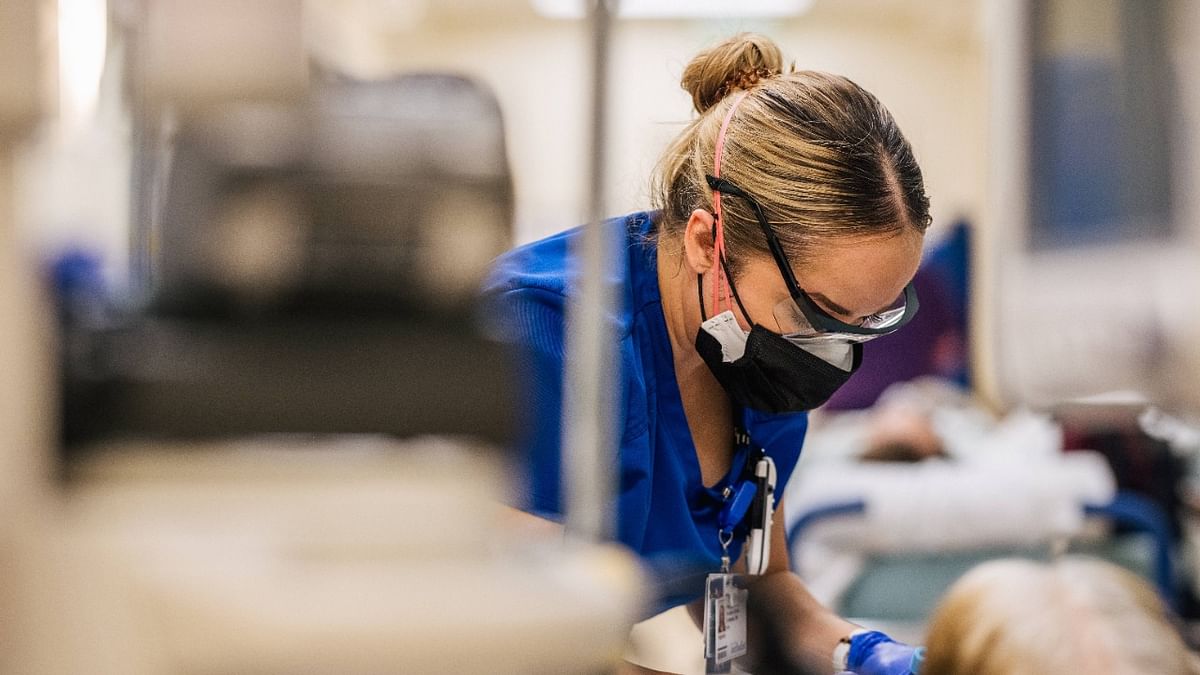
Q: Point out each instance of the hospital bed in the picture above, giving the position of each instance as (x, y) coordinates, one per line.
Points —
(883, 541)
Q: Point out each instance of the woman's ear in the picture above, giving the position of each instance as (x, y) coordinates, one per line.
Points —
(698, 242)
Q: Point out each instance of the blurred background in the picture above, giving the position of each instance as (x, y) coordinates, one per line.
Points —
(227, 228)
(926, 61)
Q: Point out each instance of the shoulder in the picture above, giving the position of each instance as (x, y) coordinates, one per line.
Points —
(545, 264)
(545, 272)
(551, 263)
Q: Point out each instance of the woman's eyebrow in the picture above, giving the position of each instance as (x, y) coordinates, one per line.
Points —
(838, 309)
(829, 304)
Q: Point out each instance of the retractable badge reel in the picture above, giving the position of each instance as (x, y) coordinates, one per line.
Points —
(725, 593)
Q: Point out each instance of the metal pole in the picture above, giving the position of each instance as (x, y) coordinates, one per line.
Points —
(588, 438)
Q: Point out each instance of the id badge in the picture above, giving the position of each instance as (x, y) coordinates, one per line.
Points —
(724, 622)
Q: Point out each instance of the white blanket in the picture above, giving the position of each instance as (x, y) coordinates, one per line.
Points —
(938, 505)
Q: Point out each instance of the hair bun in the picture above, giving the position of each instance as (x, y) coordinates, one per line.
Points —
(737, 63)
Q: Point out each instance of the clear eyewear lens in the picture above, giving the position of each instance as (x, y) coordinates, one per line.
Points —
(885, 319)
(796, 328)
(829, 338)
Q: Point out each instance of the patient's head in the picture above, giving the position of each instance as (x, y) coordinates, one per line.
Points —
(899, 432)
(1019, 617)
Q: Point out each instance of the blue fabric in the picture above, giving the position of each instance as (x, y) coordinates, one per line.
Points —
(664, 512)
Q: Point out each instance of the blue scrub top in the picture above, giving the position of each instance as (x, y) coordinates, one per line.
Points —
(664, 511)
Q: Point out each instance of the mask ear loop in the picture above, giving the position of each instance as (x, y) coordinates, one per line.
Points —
(733, 290)
(718, 226)
(736, 298)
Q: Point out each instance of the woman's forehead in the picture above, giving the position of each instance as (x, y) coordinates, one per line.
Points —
(853, 277)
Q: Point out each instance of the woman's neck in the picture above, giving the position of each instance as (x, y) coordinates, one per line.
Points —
(705, 404)
(674, 284)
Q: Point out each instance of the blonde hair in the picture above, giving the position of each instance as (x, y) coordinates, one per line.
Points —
(1019, 617)
(820, 155)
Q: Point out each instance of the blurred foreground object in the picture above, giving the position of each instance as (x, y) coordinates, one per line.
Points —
(26, 398)
(343, 556)
(389, 195)
(1071, 615)
(284, 453)
(24, 61)
(311, 267)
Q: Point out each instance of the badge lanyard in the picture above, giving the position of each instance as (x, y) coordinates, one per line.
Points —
(725, 593)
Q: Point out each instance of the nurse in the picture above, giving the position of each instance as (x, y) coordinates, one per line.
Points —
(787, 226)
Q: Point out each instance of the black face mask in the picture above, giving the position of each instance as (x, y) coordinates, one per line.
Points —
(773, 375)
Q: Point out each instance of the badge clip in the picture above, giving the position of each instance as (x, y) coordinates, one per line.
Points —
(762, 515)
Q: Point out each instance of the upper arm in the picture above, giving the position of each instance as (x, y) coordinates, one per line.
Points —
(531, 320)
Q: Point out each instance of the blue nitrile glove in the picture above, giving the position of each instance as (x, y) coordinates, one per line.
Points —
(874, 653)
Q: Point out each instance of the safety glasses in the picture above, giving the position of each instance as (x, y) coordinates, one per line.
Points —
(800, 319)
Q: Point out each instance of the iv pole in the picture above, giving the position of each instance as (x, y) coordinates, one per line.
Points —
(588, 438)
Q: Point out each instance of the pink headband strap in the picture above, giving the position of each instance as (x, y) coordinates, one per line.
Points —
(719, 239)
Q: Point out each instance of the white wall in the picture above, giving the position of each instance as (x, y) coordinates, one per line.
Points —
(922, 58)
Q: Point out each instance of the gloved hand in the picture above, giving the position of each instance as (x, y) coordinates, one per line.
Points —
(874, 653)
